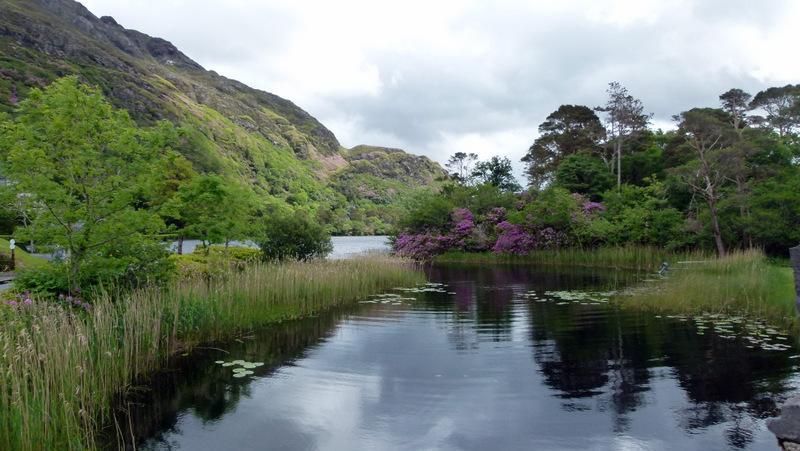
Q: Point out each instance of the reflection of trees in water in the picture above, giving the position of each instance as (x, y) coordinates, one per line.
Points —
(585, 352)
(482, 307)
(210, 390)
(609, 355)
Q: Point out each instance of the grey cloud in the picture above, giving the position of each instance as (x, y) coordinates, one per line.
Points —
(536, 61)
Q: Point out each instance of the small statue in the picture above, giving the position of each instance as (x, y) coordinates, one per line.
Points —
(664, 269)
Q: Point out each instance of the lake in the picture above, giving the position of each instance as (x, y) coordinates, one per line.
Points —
(343, 246)
(502, 357)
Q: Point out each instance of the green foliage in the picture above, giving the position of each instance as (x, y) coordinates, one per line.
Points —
(773, 218)
(566, 131)
(584, 174)
(45, 280)
(215, 261)
(641, 215)
(212, 209)
(427, 210)
(292, 235)
(553, 207)
(81, 165)
(497, 171)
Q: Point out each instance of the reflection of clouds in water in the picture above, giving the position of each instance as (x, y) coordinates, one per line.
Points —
(478, 371)
(331, 412)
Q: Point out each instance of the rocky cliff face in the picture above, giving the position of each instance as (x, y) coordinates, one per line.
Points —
(229, 128)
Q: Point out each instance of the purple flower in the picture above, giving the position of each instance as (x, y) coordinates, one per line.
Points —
(505, 225)
(496, 215)
(422, 246)
(28, 301)
(462, 214)
(590, 207)
(513, 240)
(551, 238)
(12, 303)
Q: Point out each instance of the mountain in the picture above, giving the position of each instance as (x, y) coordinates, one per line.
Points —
(227, 127)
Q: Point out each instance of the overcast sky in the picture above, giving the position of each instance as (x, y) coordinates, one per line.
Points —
(435, 77)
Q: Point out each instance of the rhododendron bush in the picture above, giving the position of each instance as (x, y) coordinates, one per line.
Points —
(466, 221)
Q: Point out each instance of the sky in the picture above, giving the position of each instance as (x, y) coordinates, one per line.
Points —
(437, 77)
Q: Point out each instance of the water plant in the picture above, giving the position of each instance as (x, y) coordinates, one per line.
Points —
(62, 366)
(743, 283)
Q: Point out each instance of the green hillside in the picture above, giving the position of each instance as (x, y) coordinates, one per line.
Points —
(280, 151)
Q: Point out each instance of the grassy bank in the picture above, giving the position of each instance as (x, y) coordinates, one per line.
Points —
(61, 368)
(631, 257)
(23, 259)
(743, 283)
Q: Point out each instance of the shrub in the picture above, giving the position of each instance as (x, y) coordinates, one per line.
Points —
(585, 174)
(214, 261)
(293, 236)
(46, 280)
(421, 246)
(513, 239)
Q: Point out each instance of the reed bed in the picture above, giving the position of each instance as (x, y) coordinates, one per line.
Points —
(641, 258)
(742, 283)
(61, 368)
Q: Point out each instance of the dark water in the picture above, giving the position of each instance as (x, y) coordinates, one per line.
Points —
(484, 368)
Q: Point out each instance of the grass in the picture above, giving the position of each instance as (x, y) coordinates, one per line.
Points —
(61, 368)
(742, 283)
(630, 257)
(23, 259)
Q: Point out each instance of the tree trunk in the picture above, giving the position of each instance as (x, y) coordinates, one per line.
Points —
(618, 146)
(180, 245)
(74, 269)
(712, 207)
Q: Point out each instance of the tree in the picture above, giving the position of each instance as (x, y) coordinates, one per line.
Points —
(459, 165)
(782, 108)
(213, 209)
(176, 173)
(496, 171)
(585, 174)
(292, 235)
(569, 129)
(624, 116)
(706, 131)
(735, 102)
(82, 163)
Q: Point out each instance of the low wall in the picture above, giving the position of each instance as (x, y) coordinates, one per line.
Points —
(787, 426)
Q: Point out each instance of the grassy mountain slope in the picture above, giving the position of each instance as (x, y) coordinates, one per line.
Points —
(267, 142)
(375, 182)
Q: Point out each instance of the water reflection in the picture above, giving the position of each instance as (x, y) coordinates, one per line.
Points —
(477, 367)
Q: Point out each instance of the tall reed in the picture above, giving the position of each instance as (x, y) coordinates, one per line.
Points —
(742, 283)
(61, 369)
(625, 257)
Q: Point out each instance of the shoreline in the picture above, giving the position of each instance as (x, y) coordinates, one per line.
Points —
(64, 368)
